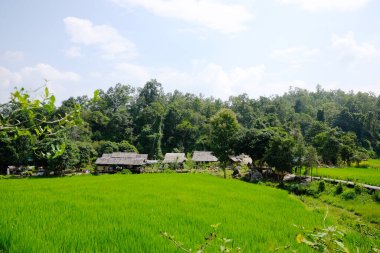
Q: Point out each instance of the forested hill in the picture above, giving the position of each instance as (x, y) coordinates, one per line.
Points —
(340, 127)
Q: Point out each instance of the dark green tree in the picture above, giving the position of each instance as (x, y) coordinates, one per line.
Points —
(224, 126)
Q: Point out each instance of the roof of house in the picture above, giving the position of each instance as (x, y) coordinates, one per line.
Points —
(204, 156)
(174, 158)
(242, 158)
(126, 155)
(122, 158)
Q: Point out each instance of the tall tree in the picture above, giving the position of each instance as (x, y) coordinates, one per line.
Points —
(224, 126)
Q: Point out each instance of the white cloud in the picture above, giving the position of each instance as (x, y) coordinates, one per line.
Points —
(328, 5)
(8, 78)
(204, 77)
(213, 14)
(74, 52)
(108, 39)
(30, 78)
(349, 46)
(45, 71)
(12, 56)
(295, 56)
(133, 72)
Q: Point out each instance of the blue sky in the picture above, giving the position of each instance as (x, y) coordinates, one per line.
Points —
(215, 47)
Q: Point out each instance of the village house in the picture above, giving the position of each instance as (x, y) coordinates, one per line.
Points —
(175, 159)
(117, 161)
(204, 157)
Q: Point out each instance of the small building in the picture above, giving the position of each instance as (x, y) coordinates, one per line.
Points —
(178, 158)
(204, 157)
(117, 161)
(241, 159)
(175, 159)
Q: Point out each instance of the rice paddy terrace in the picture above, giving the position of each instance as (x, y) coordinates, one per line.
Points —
(125, 213)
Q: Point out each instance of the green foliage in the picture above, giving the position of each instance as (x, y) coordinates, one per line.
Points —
(339, 189)
(359, 189)
(87, 153)
(376, 196)
(327, 240)
(125, 146)
(349, 194)
(224, 126)
(321, 186)
(208, 241)
(126, 171)
(280, 153)
(105, 147)
(341, 127)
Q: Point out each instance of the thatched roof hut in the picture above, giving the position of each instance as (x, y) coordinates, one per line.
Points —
(242, 159)
(122, 159)
(126, 155)
(204, 156)
(174, 158)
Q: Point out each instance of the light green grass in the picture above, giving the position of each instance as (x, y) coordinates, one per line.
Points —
(369, 176)
(125, 213)
(371, 163)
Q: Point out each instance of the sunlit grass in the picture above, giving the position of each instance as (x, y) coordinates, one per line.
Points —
(125, 213)
(369, 176)
(371, 163)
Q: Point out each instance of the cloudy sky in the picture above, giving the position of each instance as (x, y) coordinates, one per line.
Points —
(215, 47)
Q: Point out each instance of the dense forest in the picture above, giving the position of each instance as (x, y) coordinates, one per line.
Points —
(296, 129)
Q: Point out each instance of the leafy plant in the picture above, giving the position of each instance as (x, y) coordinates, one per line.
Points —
(376, 196)
(321, 186)
(339, 189)
(224, 243)
(349, 195)
(326, 239)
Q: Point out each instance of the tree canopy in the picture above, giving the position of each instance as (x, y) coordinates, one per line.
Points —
(278, 131)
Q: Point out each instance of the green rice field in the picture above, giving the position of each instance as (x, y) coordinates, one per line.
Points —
(371, 163)
(369, 176)
(125, 213)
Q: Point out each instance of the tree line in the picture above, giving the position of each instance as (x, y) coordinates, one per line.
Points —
(289, 131)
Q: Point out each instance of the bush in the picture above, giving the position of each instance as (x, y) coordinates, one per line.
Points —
(376, 196)
(339, 189)
(299, 189)
(126, 171)
(321, 186)
(349, 195)
(358, 189)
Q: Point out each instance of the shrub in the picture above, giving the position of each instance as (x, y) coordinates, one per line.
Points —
(376, 196)
(358, 189)
(126, 171)
(321, 186)
(299, 189)
(350, 194)
(339, 189)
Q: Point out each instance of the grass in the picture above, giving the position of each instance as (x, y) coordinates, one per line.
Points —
(369, 176)
(371, 163)
(125, 213)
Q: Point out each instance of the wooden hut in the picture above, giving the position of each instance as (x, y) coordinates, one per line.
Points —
(241, 159)
(117, 161)
(204, 157)
(178, 158)
(175, 159)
